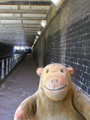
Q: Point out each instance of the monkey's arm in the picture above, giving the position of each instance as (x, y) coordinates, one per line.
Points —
(26, 109)
(82, 104)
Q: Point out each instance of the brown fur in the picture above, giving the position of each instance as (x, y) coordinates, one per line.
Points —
(73, 105)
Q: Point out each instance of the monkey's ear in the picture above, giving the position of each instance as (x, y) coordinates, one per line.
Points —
(71, 70)
(39, 71)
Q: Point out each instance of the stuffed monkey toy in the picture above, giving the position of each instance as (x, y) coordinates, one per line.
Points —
(56, 97)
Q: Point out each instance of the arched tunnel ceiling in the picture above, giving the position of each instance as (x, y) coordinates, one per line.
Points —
(21, 19)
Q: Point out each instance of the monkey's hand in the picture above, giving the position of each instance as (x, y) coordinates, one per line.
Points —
(82, 104)
(19, 114)
(26, 109)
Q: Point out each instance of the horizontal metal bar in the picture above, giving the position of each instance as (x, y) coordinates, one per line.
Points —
(3, 57)
(22, 18)
(2, 1)
(18, 25)
(25, 11)
(41, 2)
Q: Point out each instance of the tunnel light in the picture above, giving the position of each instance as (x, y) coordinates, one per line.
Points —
(56, 2)
(39, 32)
(35, 41)
(43, 23)
(37, 37)
(32, 46)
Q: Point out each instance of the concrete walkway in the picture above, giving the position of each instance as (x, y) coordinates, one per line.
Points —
(21, 83)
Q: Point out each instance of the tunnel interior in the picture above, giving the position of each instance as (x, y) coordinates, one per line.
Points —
(64, 39)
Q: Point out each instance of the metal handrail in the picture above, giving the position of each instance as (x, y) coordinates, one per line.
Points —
(7, 64)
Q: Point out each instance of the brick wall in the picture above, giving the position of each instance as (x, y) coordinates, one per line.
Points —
(77, 52)
(51, 52)
(67, 40)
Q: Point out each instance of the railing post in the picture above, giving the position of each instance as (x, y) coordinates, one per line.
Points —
(13, 61)
(10, 64)
(2, 72)
(16, 60)
(7, 66)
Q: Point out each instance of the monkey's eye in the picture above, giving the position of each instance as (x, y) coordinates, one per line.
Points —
(47, 71)
(61, 70)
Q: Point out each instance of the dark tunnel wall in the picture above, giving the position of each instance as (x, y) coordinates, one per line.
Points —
(67, 40)
(5, 50)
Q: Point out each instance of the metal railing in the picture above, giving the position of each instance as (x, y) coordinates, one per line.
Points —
(7, 64)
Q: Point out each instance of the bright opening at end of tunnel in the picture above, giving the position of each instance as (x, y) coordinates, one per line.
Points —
(21, 47)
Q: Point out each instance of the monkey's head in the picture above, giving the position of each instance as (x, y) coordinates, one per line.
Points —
(55, 80)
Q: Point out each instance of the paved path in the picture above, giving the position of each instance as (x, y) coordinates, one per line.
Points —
(21, 83)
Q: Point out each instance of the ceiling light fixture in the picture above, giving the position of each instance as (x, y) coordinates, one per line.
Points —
(39, 32)
(56, 2)
(43, 23)
(37, 37)
(35, 41)
(32, 46)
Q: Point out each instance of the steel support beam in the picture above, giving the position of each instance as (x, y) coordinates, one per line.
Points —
(25, 11)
